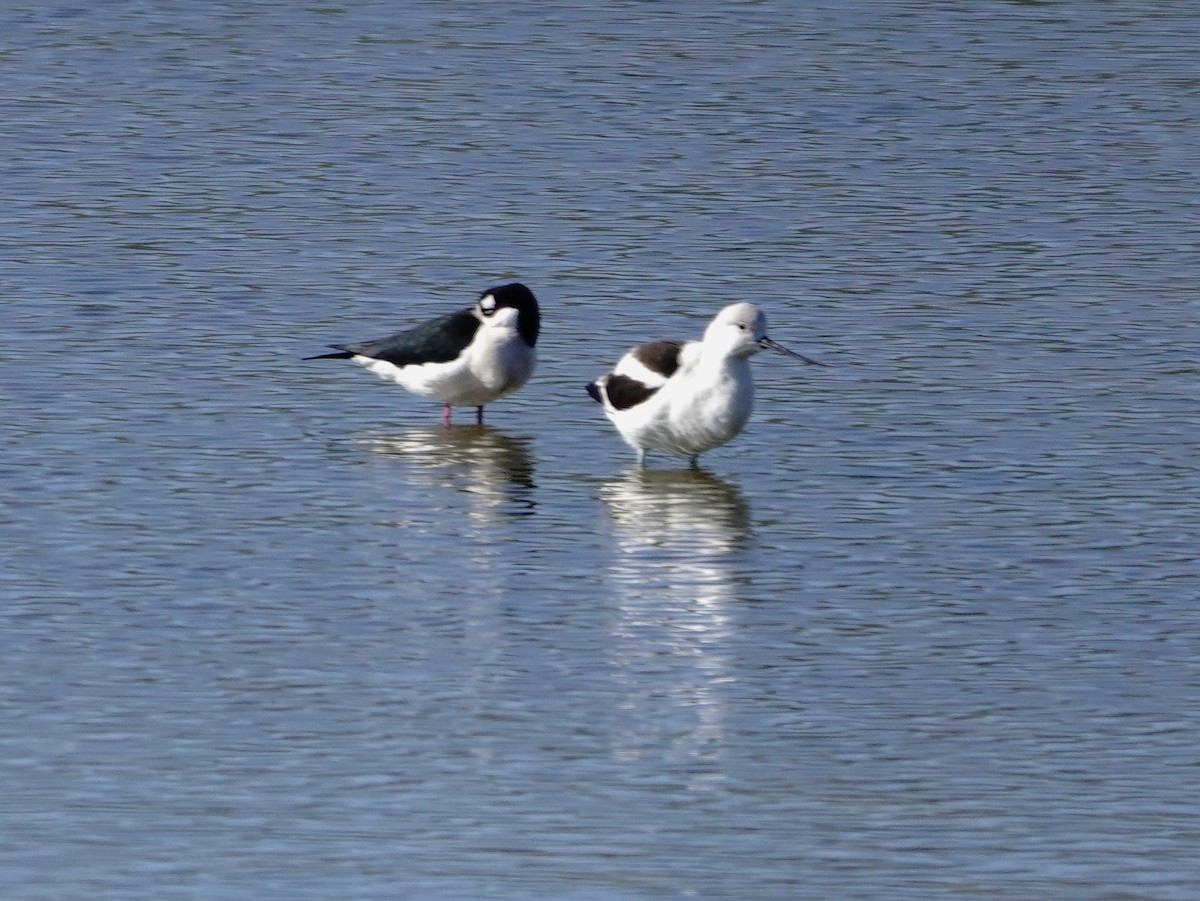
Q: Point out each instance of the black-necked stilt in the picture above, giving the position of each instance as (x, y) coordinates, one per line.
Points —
(684, 398)
(464, 359)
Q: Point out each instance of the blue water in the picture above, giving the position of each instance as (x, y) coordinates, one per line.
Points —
(928, 628)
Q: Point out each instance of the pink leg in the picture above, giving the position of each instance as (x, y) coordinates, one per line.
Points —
(479, 415)
(446, 415)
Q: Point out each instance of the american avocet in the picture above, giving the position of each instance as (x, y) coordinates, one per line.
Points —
(685, 398)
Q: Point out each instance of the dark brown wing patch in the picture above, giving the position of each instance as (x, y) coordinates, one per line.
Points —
(624, 392)
(658, 356)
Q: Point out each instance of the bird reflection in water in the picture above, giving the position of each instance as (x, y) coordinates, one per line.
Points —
(678, 570)
(494, 468)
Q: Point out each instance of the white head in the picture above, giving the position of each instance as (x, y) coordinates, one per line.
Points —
(736, 331)
(740, 330)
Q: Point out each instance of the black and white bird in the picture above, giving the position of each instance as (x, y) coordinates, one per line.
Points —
(464, 359)
(685, 398)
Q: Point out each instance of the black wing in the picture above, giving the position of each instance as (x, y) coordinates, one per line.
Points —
(659, 356)
(624, 392)
(436, 341)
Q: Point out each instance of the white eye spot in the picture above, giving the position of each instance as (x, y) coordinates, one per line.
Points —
(487, 305)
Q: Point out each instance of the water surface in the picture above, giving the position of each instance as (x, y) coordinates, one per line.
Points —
(927, 629)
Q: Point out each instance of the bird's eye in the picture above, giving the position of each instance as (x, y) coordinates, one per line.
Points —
(487, 306)
(742, 326)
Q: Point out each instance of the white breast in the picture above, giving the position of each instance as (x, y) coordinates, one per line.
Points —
(701, 407)
(497, 363)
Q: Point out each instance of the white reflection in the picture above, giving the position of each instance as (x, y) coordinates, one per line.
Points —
(494, 469)
(679, 538)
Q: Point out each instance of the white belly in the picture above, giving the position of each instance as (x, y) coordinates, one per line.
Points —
(484, 373)
(689, 416)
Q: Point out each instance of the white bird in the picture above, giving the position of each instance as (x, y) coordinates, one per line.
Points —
(685, 398)
(468, 358)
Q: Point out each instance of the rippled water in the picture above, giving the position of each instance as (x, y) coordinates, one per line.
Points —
(928, 628)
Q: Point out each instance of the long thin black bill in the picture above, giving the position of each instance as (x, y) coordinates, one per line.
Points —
(767, 344)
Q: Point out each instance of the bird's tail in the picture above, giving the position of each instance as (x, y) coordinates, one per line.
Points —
(342, 354)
